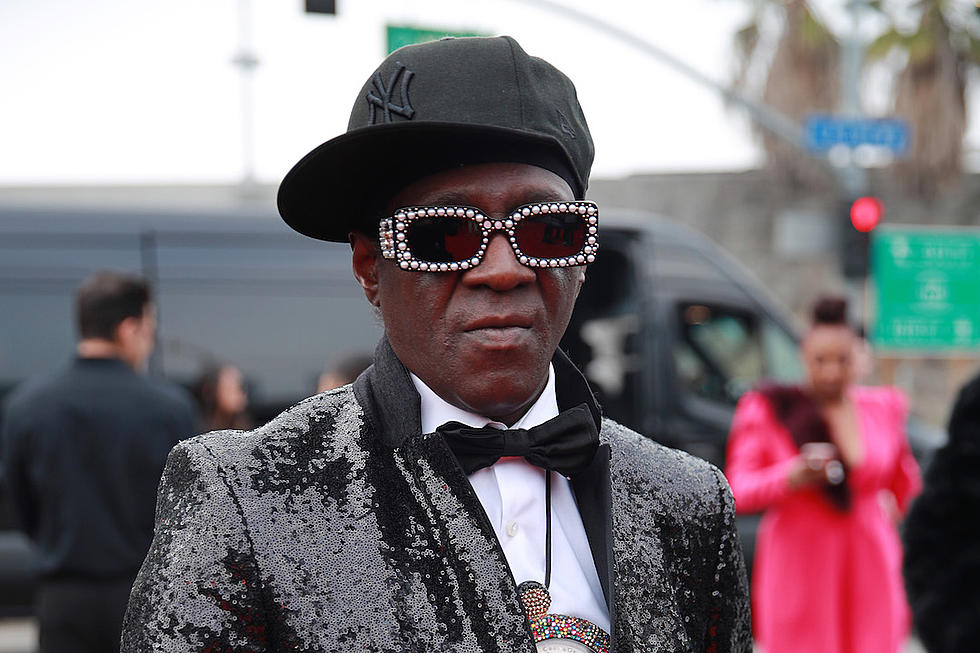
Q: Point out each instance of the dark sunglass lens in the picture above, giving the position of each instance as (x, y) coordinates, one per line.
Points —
(444, 240)
(551, 235)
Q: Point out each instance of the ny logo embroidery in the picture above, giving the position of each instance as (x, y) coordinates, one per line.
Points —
(382, 100)
(564, 125)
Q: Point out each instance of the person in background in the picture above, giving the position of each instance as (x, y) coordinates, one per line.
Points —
(942, 558)
(223, 401)
(345, 371)
(864, 356)
(829, 463)
(84, 449)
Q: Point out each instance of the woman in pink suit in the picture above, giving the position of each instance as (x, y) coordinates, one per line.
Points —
(829, 464)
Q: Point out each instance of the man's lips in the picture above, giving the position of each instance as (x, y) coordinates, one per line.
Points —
(499, 332)
(499, 322)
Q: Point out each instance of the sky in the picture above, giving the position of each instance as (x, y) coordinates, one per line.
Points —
(105, 91)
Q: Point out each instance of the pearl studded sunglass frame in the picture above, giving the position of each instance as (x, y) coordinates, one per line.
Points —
(451, 238)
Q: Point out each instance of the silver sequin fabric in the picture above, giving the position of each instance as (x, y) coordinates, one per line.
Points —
(313, 533)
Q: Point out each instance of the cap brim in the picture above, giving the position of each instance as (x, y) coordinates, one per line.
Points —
(331, 190)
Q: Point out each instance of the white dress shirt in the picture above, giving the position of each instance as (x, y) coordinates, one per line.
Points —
(512, 492)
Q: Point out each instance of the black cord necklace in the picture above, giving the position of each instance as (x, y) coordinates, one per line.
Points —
(556, 632)
(547, 528)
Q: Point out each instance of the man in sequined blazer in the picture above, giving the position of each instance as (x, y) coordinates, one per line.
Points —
(465, 493)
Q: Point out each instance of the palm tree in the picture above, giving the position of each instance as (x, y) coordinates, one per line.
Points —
(930, 90)
(802, 78)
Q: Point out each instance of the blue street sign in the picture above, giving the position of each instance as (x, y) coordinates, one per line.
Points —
(824, 132)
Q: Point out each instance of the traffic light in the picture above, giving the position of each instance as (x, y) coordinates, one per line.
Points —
(866, 212)
(860, 217)
(321, 6)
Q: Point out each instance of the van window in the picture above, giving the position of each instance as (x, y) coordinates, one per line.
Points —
(723, 352)
(602, 336)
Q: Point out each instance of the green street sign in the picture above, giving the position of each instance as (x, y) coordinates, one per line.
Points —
(401, 35)
(927, 289)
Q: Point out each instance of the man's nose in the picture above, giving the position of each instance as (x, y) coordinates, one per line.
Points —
(499, 269)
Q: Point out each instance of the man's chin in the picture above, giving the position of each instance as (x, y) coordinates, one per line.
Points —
(502, 401)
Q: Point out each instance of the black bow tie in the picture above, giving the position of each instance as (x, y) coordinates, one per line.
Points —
(566, 443)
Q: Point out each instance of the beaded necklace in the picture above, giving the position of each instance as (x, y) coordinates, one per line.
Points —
(556, 633)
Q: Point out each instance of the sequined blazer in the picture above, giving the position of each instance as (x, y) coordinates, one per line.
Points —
(339, 526)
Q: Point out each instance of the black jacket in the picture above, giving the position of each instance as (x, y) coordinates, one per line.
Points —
(340, 526)
(82, 454)
(942, 537)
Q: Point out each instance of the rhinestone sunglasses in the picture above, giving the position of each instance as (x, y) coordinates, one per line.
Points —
(449, 238)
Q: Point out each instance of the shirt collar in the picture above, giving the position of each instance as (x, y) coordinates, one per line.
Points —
(436, 411)
(102, 361)
(392, 405)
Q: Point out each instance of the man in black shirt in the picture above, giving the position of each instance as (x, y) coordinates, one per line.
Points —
(83, 450)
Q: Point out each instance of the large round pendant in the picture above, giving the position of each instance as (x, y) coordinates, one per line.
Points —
(562, 646)
(558, 633)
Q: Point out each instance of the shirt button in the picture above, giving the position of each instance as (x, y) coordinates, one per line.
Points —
(512, 529)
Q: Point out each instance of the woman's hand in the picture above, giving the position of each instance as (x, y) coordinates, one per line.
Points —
(802, 474)
(889, 505)
(810, 467)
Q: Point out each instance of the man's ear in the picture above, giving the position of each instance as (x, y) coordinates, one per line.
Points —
(365, 265)
(127, 341)
(125, 332)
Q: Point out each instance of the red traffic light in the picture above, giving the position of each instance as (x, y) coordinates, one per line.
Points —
(866, 213)
(321, 6)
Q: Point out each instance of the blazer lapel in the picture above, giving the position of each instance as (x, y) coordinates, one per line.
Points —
(469, 551)
(484, 583)
(593, 494)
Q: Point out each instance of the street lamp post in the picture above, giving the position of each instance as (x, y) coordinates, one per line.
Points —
(246, 61)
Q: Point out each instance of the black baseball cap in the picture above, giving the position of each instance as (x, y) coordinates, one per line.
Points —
(431, 107)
